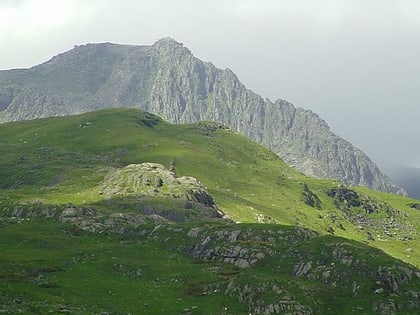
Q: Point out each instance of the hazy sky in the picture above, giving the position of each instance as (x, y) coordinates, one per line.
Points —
(354, 62)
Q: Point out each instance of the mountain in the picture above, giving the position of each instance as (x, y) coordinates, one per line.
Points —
(167, 80)
(117, 211)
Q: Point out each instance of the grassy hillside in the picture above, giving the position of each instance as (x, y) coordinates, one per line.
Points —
(54, 164)
(53, 268)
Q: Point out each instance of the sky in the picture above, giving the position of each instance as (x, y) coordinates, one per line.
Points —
(354, 62)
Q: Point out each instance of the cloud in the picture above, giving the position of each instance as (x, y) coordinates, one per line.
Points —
(43, 27)
(353, 62)
(7, 17)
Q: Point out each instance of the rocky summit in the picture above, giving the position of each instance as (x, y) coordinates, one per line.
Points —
(155, 179)
(187, 197)
(166, 79)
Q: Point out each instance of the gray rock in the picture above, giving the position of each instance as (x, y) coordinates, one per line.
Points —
(194, 232)
(302, 269)
(155, 180)
(167, 80)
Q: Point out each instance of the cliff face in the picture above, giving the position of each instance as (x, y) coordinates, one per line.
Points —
(167, 80)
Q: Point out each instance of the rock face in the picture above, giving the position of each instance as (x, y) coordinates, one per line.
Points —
(335, 264)
(167, 80)
(270, 269)
(155, 179)
(151, 189)
(242, 248)
(379, 219)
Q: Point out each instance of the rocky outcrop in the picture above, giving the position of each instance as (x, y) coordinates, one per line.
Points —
(346, 269)
(296, 253)
(310, 198)
(242, 248)
(151, 189)
(269, 269)
(154, 179)
(167, 80)
(378, 219)
(255, 293)
(137, 194)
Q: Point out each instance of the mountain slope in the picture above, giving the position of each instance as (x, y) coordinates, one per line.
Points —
(66, 160)
(84, 206)
(48, 267)
(167, 80)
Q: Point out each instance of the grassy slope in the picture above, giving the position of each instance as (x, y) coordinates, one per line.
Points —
(49, 267)
(59, 160)
(54, 268)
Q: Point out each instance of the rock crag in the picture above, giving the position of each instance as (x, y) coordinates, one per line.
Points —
(167, 80)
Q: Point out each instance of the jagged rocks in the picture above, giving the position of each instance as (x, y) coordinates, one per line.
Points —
(242, 248)
(256, 293)
(209, 126)
(238, 255)
(75, 212)
(380, 220)
(151, 189)
(296, 271)
(392, 277)
(310, 198)
(347, 269)
(224, 246)
(300, 235)
(414, 206)
(194, 232)
(155, 180)
(302, 268)
(167, 80)
(384, 307)
(84, 218)
(129, 271)
(345, 197)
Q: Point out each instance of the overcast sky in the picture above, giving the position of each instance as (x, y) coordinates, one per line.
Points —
(354, 62)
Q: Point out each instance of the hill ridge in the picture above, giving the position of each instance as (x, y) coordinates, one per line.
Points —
(168, 80)
(91, 224)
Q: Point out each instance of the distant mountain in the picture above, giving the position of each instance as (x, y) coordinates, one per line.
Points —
(167, 80)
(407, 177)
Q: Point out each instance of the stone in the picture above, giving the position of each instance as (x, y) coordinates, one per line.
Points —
(302, 269)
(155, 180)
(180, 88)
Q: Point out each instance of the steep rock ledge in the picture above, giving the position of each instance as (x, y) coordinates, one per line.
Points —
(167, 80)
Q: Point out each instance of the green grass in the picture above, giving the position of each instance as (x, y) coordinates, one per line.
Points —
(45, 268)
(60, 160)
(54, 162)
(48, 267)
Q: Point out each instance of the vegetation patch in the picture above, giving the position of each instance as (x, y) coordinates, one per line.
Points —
(121, 214)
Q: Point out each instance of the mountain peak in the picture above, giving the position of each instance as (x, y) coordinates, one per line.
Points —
(167, 42)
(167, 80)
(169, 46)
